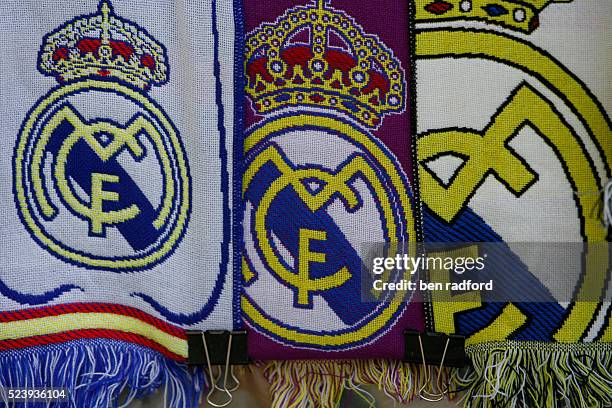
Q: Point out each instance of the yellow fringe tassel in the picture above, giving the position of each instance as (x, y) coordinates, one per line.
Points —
(304, 384)
(505, 374)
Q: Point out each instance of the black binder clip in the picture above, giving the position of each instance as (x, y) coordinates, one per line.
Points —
(433, 350)
(438, 349)
(218, 348)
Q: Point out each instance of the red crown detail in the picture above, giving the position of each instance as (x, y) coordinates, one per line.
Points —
(103, 45)
(319, 57)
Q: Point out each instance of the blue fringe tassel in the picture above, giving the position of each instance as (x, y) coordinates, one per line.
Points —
(99, 373)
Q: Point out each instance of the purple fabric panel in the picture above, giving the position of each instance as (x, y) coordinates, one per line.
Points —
(390, 345)
(389, 20)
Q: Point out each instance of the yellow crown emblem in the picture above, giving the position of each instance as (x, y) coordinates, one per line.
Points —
(512, 14)
(319, 57)
(104, 46)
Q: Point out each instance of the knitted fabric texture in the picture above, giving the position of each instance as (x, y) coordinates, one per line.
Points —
(515, 146)
(120, 186)
(328, 159)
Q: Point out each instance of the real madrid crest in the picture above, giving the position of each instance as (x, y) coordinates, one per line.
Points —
(317, 183)
(518, 149)
(100, 175)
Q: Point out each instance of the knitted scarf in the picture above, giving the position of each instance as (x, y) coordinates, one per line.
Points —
(328, 156)
(514, 149)
(120, 154)
(519, 152)
(168, 172)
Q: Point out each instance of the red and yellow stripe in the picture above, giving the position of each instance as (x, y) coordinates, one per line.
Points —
(73, 321)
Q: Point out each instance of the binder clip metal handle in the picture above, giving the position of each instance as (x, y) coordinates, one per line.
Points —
(213, 381)
(424, 394)
(218, 348)
(434, 349)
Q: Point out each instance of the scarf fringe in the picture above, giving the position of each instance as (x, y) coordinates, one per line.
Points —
(531, 374)
(507, 374)
(99, 373)
(302, 384)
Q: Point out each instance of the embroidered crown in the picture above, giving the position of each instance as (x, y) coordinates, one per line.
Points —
(515, 15)
(103, 45)
(317, 56)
